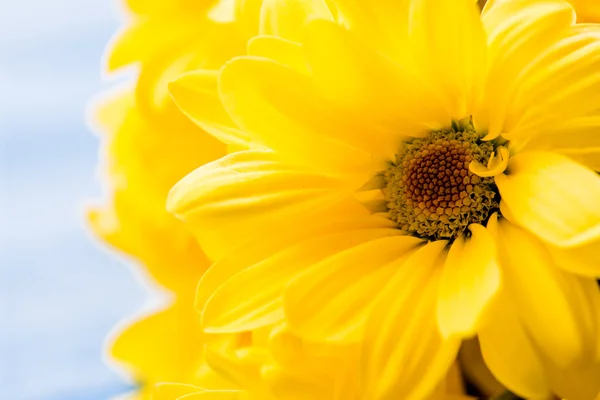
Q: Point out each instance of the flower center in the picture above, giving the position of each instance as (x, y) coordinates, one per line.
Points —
(429, 189)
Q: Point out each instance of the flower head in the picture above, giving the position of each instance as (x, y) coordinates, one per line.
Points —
(418, 173)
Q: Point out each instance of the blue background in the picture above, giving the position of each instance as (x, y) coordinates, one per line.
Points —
(60, 292)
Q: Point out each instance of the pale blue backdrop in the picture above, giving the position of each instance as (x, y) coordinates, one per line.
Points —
(59, 292)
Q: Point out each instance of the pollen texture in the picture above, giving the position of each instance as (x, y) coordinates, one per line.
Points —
(429, 189)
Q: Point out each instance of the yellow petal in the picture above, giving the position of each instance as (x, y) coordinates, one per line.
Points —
(509, 352)
(351, 74)
(253, 297)
(496, 165)
(236, 196)
(239, 366)
(195, 93)
(287, 18)
(405, 354)
(578, 135)
(353, 217)
(589, 157)
(384, 24)
(299, 384)
(214, 395)
(587, 10)
(332, 300)
(280, 107)
(281, 50)
(469, 280)
(577, 384)
(517, 32)
(175, 337)
(173, 391)
(563, 79)
(553, 197)
(582, 260)
(450, 56)
(551, 303)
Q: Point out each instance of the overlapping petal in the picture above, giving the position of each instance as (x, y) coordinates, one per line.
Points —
(405, 353)
(233, 198)
(451, 57)
(254, 297)
(469, 280)
(287, 18)
(332, 300)
(516, 31)
(281, 108)
(553, 305)
(553, 197)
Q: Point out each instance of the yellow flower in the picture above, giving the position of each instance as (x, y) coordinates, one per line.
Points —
(275, 364)
(423, 176)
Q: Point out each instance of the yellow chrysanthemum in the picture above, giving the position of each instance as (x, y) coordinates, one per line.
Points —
(276, 365)
(148, 144)
(425, 175)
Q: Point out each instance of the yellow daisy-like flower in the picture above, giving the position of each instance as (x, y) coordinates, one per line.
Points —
(143, 163)
(421, 175)
(276, 365)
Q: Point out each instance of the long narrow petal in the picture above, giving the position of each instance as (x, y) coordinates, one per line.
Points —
(345, 218)
(509, 352)
(553, 197)
(280, 107)
(563, 79)
(470, 279)
(175, 336)
(451, 56)
(281, 50)
(405, 355)
(583, 260)
(384, 24)
(288, 18)
(552, 304)
(350, 73)
(195, 93)
(254, 297)
(517, 32)
(238, 195)
(333, 299)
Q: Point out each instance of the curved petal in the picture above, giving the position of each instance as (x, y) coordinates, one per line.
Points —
(254, 297)
(175, 336)
(517, 32)
(405, 355)
(281, 108)
(558, 87)
(287, 18)
(553, 197)
(332, 300)
(195, 93)
(469, 280)
(383, 24)
(281, 50)
(238, 195)
(583, 260)
(448, 42)
(173, 391)
(257, 249)
(552, 304)
(509, 353)
(587, 10)
(351, 74)
(214, 395)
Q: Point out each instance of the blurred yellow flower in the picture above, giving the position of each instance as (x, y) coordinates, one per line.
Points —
(147, 145)
(426, 175)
